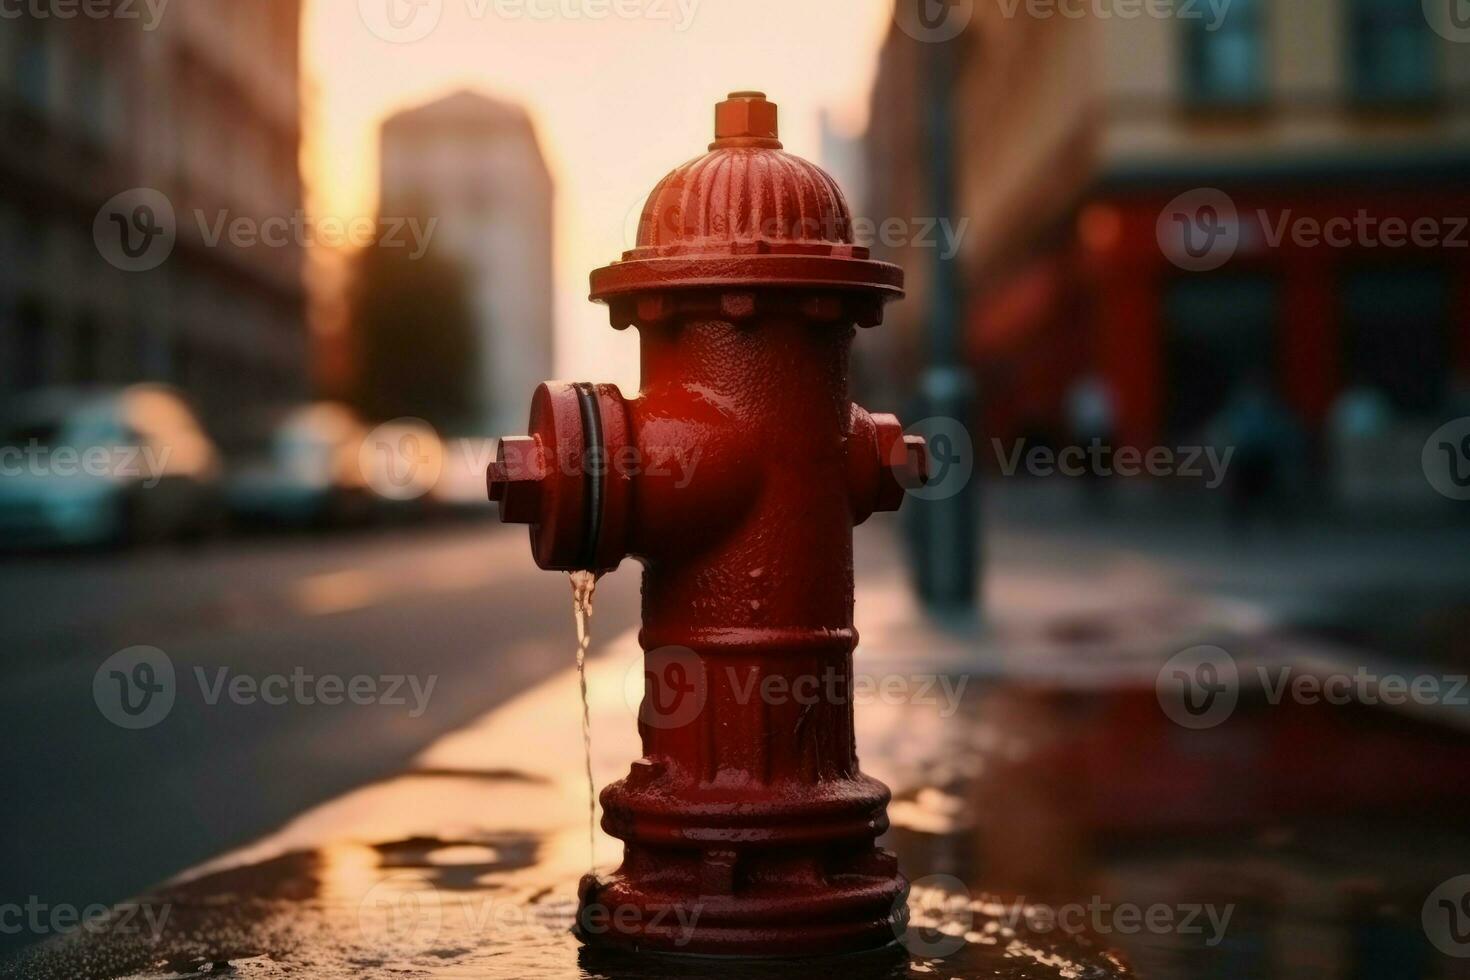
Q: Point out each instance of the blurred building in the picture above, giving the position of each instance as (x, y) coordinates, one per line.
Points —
(473, 164)
(1077, 129)
(202, 106)
(843, 156)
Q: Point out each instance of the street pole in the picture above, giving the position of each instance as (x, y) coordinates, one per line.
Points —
(945, 529)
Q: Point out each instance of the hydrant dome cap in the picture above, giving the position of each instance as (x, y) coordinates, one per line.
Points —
(746, 189)
(780, 218)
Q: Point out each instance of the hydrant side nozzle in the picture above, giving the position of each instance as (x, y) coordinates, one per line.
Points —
(513, 480)
(562, 478)
(916, 457)
(903, 462)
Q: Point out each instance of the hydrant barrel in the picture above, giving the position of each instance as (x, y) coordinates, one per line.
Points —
(735, 477)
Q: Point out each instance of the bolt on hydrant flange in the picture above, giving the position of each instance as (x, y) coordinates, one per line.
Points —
(735, 477)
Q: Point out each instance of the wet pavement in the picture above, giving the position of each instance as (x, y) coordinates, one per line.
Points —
(109, 812)
(1055, 819)
(467, 865)
(340, 912)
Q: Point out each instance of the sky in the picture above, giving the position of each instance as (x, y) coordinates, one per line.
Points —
(620, 92)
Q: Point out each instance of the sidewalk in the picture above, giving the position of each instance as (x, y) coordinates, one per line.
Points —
(1153, 568)
(1304, 568)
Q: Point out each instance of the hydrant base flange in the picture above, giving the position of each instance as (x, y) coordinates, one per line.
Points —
(854, 915)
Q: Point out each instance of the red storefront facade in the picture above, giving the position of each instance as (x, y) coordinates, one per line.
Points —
(1327, 284)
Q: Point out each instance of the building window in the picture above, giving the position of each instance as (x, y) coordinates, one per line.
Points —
(32, 64)
(1225, 57)
(146, 360)
(1220, 341)
(183, 366)
(30, 344)
(89, 97)
(1397, 336)
(86, 350)
(1391, 52)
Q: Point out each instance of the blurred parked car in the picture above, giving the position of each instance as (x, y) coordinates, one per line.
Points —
(308, 472)
(91, 466)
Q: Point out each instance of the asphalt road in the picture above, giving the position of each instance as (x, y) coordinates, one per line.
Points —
(265, 638)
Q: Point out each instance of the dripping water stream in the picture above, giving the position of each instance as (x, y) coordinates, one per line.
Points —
(584, 584)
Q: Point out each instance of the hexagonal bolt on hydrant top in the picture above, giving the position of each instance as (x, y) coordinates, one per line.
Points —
(735, 477)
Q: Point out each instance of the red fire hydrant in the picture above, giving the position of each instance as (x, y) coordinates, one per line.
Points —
(736, 477)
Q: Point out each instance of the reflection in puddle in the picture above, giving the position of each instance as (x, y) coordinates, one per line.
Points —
(464, 854)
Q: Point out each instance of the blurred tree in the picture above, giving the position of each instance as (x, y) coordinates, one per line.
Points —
(413, 330)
